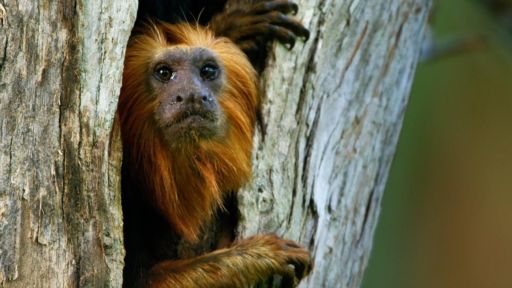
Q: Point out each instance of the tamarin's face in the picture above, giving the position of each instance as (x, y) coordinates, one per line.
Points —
(187, 82)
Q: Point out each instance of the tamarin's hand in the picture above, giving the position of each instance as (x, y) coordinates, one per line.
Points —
(293, 262)
(252, 27)
(246, 262)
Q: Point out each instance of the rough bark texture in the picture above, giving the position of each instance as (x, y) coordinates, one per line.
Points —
(332, 116)
(60, 74)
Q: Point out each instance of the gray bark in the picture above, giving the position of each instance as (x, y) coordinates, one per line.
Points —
(60, 74)
(332, 113)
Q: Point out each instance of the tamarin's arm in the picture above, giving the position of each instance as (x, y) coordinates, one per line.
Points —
(246, 262)
(251, 27)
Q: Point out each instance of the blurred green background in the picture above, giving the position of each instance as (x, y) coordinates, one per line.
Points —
(446, 218)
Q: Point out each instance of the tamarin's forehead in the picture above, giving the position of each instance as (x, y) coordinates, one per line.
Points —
(185, 53)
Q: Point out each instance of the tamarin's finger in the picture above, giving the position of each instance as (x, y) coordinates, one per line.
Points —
(280, 5)
(289, 279)
(301, 269)
(288, 22)
(283, 35)
(291, 244)
(288, 282)
(301, 261)
(249, 45)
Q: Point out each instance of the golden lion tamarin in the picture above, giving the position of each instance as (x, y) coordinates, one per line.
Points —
(187, 112)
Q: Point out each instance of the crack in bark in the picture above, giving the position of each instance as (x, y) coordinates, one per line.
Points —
(4, 57)
(308, 74)
(392, 48)
(311, 208)
(310, 62)
(369, 205)
(356, 48)
(10, 159)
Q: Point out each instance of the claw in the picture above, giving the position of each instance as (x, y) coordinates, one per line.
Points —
(287, 282)
(305, 36)
(291, 44)
(276, 5)
(295, 8)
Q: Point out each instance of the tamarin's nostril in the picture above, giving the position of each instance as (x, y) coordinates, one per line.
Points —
(205, 98)
(179, 98)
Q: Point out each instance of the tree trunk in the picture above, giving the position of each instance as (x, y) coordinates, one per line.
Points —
(60, 74)
(332, 113)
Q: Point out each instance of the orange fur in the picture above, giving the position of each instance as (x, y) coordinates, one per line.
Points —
(186, 181)
(171, 175)
(235, 267)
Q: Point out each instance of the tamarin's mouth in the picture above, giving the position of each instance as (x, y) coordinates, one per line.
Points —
(191, 125)
(193, 115)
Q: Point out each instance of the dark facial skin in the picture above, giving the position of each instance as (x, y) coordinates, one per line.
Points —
(186, 82)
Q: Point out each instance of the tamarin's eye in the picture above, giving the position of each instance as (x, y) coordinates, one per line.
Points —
(164, 73)
(209, 72)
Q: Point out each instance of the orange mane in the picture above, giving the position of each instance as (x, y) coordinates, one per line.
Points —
(187, 184)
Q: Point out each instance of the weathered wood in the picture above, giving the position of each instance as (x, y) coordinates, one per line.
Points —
(60, 74)
(332, 114)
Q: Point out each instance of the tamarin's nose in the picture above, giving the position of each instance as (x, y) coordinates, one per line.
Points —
(193, 98)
